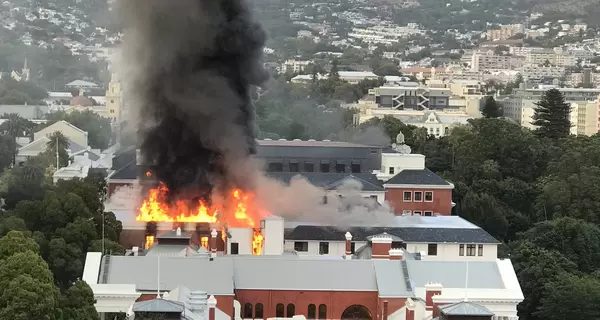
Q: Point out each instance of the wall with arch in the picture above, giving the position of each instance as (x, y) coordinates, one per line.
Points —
(262, 304)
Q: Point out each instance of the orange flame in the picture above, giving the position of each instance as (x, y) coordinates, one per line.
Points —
(257, 242)
(149, 242)
(148, 174)
(235, 212)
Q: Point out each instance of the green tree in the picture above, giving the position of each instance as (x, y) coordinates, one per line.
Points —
(11, 223)
(58, 144)
(24, 263)
(491, 108)
(15, 127)
(334, 74)
(78, 303)
(536, 267)
(16, 242)
(99, 129)
(552, 115)
(571, 297)
(25, 298)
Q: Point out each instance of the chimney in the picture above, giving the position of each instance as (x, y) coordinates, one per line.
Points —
(431, 289)
(385, 310)
(135, 250)
(213, 243)
(348, 246)
(410, 309)
(212, 304)
(178, 232)
(396, 254)
(380, 246)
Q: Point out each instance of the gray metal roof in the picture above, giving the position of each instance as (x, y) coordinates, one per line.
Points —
(164, 250)
(330, 180)
(304, 274)
(391, 279)
(158, 305)
(425, 176)
(452, 274)
(196, 273)
(466, 308)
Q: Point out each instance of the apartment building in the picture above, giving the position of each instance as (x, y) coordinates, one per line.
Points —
(520, 105)
(505, 32)
(410, 97)
(539, 56)
(585, 118)
(294, 66)
(488, 60)
(536, 72)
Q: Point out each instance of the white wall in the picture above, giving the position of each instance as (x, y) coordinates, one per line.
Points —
(273, 236)
(399, 162)
(243, 236)
(336, 248)
(450, 251)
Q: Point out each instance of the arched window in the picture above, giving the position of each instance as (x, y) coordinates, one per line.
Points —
(248, 311)
(322, 311)
(291, 310)
(279, 310)
(356, 312)
(312, 311)
(258, 311)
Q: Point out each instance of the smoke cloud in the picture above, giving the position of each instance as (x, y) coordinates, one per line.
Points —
(189, 67)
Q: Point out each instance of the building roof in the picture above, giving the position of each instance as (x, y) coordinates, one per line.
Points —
(482, 274)
(331, 181)
(407, 234)
(392, 282)
(158, 305)
(81, 83)
(420, 177)
(128, 172)
(304, 274)
(310, 143)
(443, 222)
(466, 308)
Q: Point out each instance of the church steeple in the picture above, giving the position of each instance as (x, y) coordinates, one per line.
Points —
(113, 99)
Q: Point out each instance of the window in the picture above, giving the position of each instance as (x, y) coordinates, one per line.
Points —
(324, 167)
(309, 167)
(312, 311)
(258, 311)
(391, 170)
(355, 168)
(352, 247)
(407, 196)
(275, 167)
(340, 168)
(294, 167)
(480, 250)
(406, 212)
(374, 151)
(470, 250)
(248, 311)
(418, 196)
(461, 250)
(301, 246)
(428, 213)
(235, 248)
(291, 310)
(324, 199)
(323, 247)
(432, 249)
(428, 196)
(322, 311)
(416, 213)
(279, 311)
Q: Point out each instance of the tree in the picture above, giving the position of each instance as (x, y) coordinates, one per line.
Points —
(552, 115)
(24, 263)
(25, 298)
(99, 129)
(11, 223)
(491, 109)
(7, 150)
(571, 297)
(334, 72)
(15, 127)
(58, 144)
(78, 303)
(16, 242)
(535, 267)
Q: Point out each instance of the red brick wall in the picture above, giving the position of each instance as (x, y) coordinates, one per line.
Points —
(381, 250)
(132, 238)
(336, 302)
(442, 201)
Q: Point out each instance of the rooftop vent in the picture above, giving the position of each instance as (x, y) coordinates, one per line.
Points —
(268, 139)
(312, 140)
(297, 140)
(198, 300)
(282, 140)
(327, 140)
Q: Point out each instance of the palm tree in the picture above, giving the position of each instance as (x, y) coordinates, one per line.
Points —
(58, 143)
(15, 127)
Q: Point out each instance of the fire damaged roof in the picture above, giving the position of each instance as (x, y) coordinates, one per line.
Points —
(407, 234)
(331, 181)
(420, 177)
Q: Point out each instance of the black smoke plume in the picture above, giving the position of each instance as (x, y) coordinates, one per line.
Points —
(189, 68)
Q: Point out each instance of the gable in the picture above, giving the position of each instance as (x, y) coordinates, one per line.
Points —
(35, 147)
(70, 131)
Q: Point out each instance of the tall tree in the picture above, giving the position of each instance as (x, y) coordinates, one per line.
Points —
(15, 127)
(58, 144)
(552, 115)
(491, 108)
